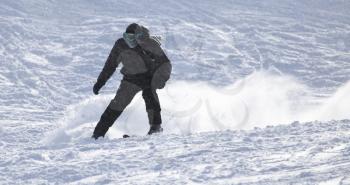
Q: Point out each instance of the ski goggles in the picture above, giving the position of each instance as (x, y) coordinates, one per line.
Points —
(130, 39)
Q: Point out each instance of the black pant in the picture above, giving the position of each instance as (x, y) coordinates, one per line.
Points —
(128, 88)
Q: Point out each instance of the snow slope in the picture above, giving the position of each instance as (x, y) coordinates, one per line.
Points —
(309, 153)
(236, 65)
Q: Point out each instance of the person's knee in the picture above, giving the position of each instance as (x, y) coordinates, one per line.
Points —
(147, 94)
(152, 104)
(151, 100)
(124, 96)
(118, 104)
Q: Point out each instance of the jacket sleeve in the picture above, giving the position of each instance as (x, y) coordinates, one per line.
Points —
(110, 65)
(163, 70)
(163, 58)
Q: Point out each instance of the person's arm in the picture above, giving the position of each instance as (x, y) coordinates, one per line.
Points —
(163, 58)
(163, 70)
(109, 67)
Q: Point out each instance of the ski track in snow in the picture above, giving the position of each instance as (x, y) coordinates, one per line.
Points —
(281, 62)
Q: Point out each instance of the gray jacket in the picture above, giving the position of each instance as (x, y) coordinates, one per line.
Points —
(147, 60)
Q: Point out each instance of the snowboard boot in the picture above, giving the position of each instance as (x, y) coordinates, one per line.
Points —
(155, 121)
(155, 129)
(107, 119)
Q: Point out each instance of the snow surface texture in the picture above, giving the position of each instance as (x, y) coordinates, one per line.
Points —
(236, 65)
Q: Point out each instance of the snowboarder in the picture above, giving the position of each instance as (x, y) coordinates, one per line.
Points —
(145, 68)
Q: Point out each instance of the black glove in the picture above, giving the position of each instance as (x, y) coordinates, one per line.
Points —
(96, 88)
